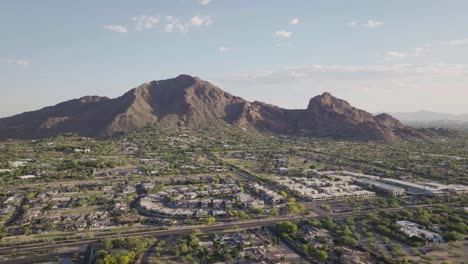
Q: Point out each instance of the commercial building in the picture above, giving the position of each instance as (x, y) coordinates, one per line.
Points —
(411, 188)
(382, 187)
(323, 189)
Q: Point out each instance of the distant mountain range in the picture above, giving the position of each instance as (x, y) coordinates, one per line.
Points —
(190, 102)
(428, 116)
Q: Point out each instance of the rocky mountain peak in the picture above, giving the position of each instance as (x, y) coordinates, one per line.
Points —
(328, 101)
(187, 101)
(387, 120)
(186, 79)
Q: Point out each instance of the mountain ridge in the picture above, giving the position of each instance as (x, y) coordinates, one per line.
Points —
(425, 115)
(191, 102)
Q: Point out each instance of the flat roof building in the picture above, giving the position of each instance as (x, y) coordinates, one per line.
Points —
(382, 187)
(411, 188)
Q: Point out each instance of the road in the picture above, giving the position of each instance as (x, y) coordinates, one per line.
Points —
(170, 232)
(162, 234)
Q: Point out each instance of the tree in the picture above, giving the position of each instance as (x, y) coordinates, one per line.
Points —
(243, 215)
(31, 195)
(349, 241)
(210, 220)
(321, 255)
(274, 211)
(107, 244)
(452, 236)
(27, 231)
(286, 227)
(257, 211)
(108, 259)
(123, 260)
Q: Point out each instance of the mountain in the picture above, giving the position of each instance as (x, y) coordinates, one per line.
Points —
(187, 101)
(429, 116)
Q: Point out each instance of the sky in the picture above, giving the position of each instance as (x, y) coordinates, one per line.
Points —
(379, 55)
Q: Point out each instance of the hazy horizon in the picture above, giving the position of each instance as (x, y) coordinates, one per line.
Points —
(301, 107)
(398, 56)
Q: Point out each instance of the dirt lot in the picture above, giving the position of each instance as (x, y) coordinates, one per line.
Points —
(451, 253)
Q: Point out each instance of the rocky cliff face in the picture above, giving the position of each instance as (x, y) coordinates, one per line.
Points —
(190, 102)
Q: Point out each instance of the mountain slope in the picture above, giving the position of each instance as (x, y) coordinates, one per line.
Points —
(190, 102)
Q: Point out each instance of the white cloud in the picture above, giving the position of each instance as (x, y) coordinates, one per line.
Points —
(282, 34)
(223, 49)
(420, 51)
(373, 24)
(391, 55)
(143, 22)
(294, 21)
(352, 24)
(19, 62)
(116, 28)
(205, 2)
(417, 52)
(457, 42)
(176, 24)
(173, 24)
(402, 72)
(368, 24)
(197, 21)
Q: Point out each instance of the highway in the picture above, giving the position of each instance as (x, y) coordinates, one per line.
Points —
(50, 247)
(165, 233)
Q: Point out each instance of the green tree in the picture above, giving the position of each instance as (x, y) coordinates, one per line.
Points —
(274, 212)
(320, 255)
(452, 236)
(286, 227)
(107, 244)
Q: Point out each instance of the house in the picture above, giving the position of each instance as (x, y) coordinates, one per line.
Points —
(201, 213)
(243, 197)
(190, 195)
(316, 236)
(82, 150)
(353, 256)
(27, 177)
(282, 170)
(219, 213)
(205, 203)
(217, 203)
(230, 240)
(414, 230)
(206, 244)
(98, 224)
(214, 192)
